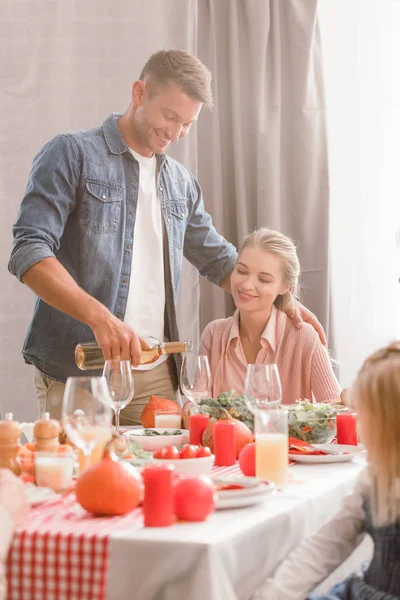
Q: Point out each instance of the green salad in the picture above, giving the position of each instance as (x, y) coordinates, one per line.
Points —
(312, 423)
(154, 432)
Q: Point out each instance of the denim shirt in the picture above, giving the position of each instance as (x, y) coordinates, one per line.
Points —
(80, 207)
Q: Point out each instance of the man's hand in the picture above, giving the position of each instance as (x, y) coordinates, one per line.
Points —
(12, 496)
(301, 314)
(116, 339)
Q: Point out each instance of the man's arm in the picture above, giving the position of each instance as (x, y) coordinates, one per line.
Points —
(49, 280)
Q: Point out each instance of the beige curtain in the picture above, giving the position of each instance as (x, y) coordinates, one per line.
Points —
(260, 155)
(262, 152)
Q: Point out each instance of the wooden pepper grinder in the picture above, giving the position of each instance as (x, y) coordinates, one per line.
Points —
(46, 433)
(10, 434)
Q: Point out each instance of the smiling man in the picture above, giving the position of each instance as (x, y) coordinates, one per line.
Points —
(105, 222)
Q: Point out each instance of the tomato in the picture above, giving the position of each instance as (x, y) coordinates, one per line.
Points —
(194, 498)
(203, 451)
(188, 451)
(160, 453)
(247, 459)
(171, 452)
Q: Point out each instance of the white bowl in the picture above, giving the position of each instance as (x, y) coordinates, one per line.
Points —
(190, 466)
(151, 443)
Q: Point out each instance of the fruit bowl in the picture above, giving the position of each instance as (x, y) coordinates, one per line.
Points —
(190, 466)
(152, 439)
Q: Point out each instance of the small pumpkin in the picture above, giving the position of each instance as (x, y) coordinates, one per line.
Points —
(155, 403)
(108, 487)
(243, 435)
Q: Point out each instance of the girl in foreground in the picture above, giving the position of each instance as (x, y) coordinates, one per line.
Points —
(373, 508)
(264, 283)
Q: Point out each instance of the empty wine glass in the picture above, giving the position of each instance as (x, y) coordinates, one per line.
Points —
(86, 413)
(118, 374)
(262, 388)
(195, 377)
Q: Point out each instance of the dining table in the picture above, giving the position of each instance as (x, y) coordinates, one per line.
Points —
(62, 552)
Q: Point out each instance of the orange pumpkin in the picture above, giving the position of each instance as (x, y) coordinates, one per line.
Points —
(243, 435)
(155, 403)
(108, 487)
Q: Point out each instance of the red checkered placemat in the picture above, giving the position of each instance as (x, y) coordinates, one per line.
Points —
(61, 552)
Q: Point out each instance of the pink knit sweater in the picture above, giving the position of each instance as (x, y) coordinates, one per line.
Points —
(303, 362)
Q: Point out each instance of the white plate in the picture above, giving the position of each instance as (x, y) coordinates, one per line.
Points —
(36, 495)
(351, 451)
(151, 443)
(245, 497)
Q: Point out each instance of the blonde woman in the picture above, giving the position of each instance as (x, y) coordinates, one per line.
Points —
(373, 508)
(264, 285)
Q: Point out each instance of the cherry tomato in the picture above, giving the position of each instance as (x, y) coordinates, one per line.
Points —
(160, 453)
(171, 452)
(188, 451)
(203, 451)
(194, 498)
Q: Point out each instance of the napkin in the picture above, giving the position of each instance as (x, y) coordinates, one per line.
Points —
(295, 444)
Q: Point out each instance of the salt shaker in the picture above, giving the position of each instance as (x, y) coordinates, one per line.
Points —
(10, 434)
(46, 433)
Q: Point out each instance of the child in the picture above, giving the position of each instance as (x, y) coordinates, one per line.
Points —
(373, 508)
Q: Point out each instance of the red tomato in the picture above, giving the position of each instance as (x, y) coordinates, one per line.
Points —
(194, 498)
(171, 452)
(188, 451)
(247, 460)
(203, 451)
(160, 453)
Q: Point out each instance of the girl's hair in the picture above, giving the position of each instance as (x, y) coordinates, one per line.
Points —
(283, 247)
(376, 393)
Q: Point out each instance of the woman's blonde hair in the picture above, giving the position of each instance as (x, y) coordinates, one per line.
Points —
(284, 248)
(376, 394)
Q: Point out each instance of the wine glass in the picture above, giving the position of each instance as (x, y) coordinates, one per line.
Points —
(86, 413)
(262, 388)
(118, 374)
(195, 377)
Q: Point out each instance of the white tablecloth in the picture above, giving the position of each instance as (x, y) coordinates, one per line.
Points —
(229, 555)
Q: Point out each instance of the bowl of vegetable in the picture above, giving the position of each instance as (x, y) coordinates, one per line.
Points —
(312, 423)
(153, 438)
(189, 460)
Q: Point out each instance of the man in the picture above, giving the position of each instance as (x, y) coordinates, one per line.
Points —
(13, 510)
(103, 227)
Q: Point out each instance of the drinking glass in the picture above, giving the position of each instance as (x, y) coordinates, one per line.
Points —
(195, 377)
(272, 445)
(262, 388)
(86, 413)
(118, 374)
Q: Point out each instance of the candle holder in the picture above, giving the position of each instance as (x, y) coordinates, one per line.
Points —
(54, 471)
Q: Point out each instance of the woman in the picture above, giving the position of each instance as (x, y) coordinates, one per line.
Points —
(373, 508)
(264, 283)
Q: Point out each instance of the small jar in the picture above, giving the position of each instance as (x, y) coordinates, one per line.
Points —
(46, 433)
(10, 442)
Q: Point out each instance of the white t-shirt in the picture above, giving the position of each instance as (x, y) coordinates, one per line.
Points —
(146, 296)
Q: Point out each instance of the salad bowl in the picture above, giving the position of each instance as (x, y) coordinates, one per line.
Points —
(153, 438)
(313, 423)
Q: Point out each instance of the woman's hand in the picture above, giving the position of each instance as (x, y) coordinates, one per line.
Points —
(300, 315)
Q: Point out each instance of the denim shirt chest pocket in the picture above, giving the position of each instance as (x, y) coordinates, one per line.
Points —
(179, 211)
(101, 206)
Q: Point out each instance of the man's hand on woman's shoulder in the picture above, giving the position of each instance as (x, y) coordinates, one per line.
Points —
(300, 315)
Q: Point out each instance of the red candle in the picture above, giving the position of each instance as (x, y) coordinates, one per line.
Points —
(158, 503)
(225, 443)
(347, 428)
(197, 425)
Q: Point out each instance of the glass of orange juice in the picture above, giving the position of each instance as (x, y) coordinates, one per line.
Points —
(271, 434)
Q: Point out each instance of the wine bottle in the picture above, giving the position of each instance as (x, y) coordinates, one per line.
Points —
(89, 355)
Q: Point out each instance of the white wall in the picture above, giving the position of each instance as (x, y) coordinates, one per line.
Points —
(361, 45)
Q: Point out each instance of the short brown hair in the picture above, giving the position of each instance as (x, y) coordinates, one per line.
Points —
(181, 68)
